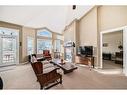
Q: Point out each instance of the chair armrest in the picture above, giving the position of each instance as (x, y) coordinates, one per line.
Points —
(46, 73)
(41, 59)
(50, 70)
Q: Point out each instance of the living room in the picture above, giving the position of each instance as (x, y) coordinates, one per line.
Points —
(62, 40)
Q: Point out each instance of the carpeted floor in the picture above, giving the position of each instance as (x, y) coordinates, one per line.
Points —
(23, 77)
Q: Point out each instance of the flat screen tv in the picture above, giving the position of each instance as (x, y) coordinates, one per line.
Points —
(86, 50)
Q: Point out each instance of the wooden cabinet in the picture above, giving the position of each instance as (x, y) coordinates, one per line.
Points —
(84, 60)
(81, 60)
(107, 56)
(119, 58)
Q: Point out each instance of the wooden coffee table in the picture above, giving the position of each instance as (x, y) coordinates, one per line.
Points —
(67, 67)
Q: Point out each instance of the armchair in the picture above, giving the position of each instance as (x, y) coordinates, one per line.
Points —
(47, 77)
(46, 54)
(1, 83)
(36, 56)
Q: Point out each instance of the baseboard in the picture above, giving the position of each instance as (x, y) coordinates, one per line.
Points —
(97, 67)
(23, 63)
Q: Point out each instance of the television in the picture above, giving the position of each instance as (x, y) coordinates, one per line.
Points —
(86, 50)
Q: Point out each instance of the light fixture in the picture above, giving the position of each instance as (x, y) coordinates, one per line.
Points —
(74, 7)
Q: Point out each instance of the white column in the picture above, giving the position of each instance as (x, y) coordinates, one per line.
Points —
(125, 51)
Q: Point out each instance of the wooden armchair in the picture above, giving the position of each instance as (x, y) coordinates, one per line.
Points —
(47, 78)
(36, 56)
(46, 54)
(1, 83)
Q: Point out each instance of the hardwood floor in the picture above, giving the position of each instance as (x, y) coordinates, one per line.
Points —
(107, 64)
(23, 77)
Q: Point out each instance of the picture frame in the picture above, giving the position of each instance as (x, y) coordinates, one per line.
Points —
(105, 44)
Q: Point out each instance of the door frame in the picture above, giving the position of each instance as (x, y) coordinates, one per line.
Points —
(124, 29)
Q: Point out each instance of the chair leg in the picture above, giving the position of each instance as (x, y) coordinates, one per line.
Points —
(42, 87)
(61, 80)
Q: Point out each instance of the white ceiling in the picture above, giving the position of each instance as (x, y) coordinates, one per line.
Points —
(53, 17)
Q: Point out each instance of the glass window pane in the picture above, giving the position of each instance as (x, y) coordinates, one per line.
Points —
(44, 33)
(30, 45)
(8, 49)
(57, 46)
(7, 31)
(43, 44)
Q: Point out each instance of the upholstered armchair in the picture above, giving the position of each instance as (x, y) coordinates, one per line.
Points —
(47, 77)
(46, 54)
(36, 56)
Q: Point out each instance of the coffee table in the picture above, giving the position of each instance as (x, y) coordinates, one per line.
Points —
(67, 67)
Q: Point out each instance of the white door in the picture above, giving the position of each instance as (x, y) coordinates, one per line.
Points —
(125, 51)
(8, 50)
(9, 46)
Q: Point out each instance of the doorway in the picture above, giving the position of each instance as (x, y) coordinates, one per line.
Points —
(9, 48)
(112, 50)
(124, 50)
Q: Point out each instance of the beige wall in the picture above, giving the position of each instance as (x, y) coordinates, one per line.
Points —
(69, 33)
(27, 32)
(110, 17)
(88, 31)
(88, 28)
(113, 39)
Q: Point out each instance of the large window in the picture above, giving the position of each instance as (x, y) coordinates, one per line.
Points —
(43, 44)
(44, 40)
(30, 45)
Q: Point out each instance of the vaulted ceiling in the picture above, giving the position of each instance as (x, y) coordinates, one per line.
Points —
(53, 17)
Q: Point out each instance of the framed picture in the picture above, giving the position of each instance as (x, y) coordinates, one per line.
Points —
(105, 44)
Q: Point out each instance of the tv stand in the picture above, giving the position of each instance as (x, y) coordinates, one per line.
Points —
(82, 59)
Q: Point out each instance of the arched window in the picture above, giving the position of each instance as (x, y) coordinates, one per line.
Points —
(44, 40)
(44, 32)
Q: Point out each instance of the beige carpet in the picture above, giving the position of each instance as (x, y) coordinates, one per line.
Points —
(23, 77)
